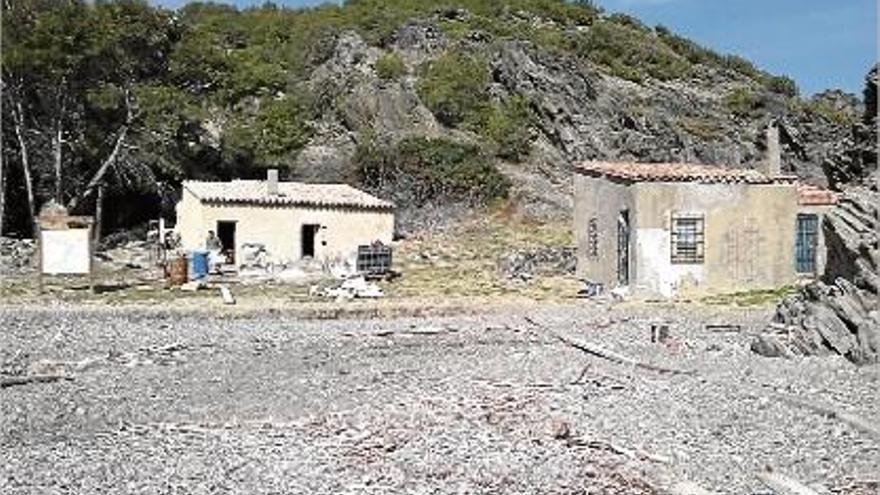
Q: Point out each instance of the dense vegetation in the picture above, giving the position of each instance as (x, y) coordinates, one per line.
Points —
(135, 98)
(421, 171)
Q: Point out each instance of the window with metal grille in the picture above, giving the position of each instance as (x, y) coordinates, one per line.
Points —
(688, 238)
(593, 237)
(805, 243)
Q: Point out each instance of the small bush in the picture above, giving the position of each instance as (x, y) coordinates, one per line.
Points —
(454, 86)
(741, 102)
(506, 126)
(824, 109)
(741, 65)
(701, 127)
(783, 85)
(274, 135)
(390, 66)
(631, 52)
(419, 171)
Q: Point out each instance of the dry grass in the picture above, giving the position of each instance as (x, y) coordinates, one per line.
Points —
(461, 261)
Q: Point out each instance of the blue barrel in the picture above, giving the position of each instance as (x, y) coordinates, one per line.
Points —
(200, 264)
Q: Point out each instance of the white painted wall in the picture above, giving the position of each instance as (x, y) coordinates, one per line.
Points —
(655, 272)
(279, 227)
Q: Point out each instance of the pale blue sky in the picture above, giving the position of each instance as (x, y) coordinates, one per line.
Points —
(820, 43)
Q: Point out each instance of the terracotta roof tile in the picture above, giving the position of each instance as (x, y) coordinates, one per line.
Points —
(676, 172)
(812, 195)
(289, 193)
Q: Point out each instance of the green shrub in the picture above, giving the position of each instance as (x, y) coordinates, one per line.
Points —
(506, 127)
(701, 127)
(742, 102)
(741, 65)
(631, 52)
(390, 66)
(419, 171)
(783, 85)
(691, 51)
(274, 135)
(454, 85)
(817, 107)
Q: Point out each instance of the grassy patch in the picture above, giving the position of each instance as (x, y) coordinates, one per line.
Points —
(390, 66)
(701, 127)
(461, 262)
(765, 297)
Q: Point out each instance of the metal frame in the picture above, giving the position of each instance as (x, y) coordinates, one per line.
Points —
(806, 242)
(593, 237)
(687, 238)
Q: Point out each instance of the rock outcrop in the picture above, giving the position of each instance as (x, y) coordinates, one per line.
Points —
(579, 112)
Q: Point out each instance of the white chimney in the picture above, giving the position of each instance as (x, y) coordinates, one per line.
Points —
(272, 182)
(772, 164)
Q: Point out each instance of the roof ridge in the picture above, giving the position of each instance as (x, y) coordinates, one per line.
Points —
(291, 193)
(675, 172)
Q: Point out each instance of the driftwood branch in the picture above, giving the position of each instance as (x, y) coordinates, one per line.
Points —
(620, 450)
(688, 488)
(783, 485)
(851, 419)
(28, 379)
(601, 352)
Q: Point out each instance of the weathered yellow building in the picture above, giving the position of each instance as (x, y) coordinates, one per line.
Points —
(683, 229)
(291, 220)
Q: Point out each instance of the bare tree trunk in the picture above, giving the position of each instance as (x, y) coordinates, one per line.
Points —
(99, 213)
(98, 176)
(18, 118)
(2, 192)
(56, 151)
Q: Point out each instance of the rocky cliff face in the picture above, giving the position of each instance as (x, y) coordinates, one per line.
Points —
(579, 112)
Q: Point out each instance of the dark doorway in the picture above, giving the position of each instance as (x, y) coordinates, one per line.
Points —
(308, 240)
(623, 247)
(805, 243)
(226, 234)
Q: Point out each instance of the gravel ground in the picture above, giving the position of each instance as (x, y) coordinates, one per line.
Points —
(163, 402)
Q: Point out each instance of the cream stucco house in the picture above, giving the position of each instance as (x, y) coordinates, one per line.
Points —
(687, 229)
(292, 220)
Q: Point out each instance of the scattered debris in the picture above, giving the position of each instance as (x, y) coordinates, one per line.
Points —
(591, 289)
(354, 287)
(723, 327)
(253, 256)
(619, 293)
(193, 285)
(561, 429)
(17, 255)
(659, 333)
(525, 265)
(783, 485)
(226, 294)
(374, 261)
(27, 379)
(617, 449)
(133, 255)
(688, 488)
(610, 355)
(853, 420)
